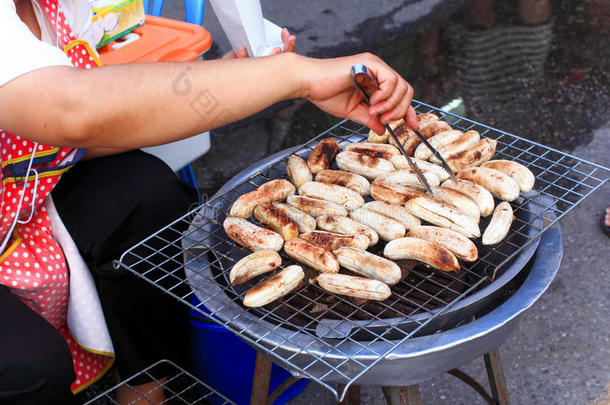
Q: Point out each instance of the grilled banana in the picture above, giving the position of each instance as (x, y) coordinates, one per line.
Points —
(479, 154)
(253, 265)
(321, 157)
(394, 211)
(500, 184)
(343, 196)
(276, 287)
(356, 287)
(480, 195)
(274, 190)
(408, 178)
(352, 181)
(521, 174)
(454, 241)
(314, 206)
(364, 165)
(387, 228)
(499, 225)
(457, 200)
(252, 236)
(394, 193)
(443, 215)
(305, 222)
(347, 226)
(421, 250)
(424, 118)
(313, 256)
(298, 171)
(374, 137)
(369, 265)
(467, 141)
(437, 141)
(379, 150)
(430, 128)
(277, 220)
(332, 241)
(400, 163)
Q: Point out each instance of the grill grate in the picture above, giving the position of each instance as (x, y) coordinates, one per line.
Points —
(181, 388)
(332, 338)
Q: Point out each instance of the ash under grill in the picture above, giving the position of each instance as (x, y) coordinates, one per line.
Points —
(328, 337)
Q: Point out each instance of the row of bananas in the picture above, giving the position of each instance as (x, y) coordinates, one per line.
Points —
(325, 223)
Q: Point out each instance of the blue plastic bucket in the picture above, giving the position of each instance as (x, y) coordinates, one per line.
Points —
(226, 363)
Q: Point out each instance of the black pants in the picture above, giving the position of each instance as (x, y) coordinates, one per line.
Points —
(108, 205)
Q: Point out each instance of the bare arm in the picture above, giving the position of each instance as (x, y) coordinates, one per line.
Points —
(130, 106)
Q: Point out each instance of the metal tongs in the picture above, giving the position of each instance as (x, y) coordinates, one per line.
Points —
(366, 83)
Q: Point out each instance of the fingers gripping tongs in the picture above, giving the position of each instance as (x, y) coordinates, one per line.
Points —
(366, 83)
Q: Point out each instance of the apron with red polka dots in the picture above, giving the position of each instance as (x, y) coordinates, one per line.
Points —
(33, 265)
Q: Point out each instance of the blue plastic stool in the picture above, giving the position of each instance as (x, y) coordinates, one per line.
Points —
(193, 10)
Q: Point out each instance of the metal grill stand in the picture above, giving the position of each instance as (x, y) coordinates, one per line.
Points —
(329, 338)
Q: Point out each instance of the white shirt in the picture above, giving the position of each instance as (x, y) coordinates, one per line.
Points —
(21, 52)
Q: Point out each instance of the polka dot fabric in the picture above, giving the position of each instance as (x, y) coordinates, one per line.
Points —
(33, 265)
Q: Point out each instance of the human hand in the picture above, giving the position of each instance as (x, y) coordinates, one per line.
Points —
(328, 84)
(288, 40)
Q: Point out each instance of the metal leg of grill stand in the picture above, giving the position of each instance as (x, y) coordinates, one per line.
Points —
(402, 395)
(493, 364)
(261, 380)
(353, 395)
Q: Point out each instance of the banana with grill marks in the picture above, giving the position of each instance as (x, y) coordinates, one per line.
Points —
(443, 215)
(394, 211)
(480, 195)
(408, 178)
(479, 154)
(312, 255)
(379, 150)
(364, 165)
(394, 193)
(314, 206)
(321, 157)
(252, 236)
(347, 226)
(343, 196)
(421, 250)
(499, 225)
(356, 287)
(305, 222)
(333, 241)
(457, 200)
(277, 220)
(387, 228)
(274, 190)
(253, 265)
(500, 184)
(276, 287)
(352, 181)
(467, 141)
(400, 163)
(437, 141)
(368, 265)
(521, 174)
(454, 241)
(298, 171)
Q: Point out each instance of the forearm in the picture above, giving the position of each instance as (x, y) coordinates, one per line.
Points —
(130, 106)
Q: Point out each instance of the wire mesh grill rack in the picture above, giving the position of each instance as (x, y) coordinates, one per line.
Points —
(329, 338)
(180, 388)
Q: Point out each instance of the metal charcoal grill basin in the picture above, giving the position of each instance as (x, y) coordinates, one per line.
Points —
(209, 256)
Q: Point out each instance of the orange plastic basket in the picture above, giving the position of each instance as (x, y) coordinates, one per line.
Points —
(159, 40)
